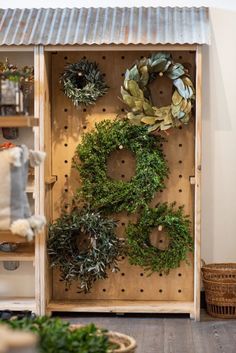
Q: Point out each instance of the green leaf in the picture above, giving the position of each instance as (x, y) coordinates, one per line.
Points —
(135, 90)
(127, 98)
(138, 105)
(135, 119)
(144, 75)
(134, 74)
(154, 127)
(182, 89)
(148, 110)
(176, 98)
(149, 120)
(175, 71)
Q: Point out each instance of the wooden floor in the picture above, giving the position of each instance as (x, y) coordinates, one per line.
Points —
(171, 334)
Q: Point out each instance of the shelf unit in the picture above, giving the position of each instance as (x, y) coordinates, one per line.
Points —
(25, 253)
(18, 121)
(8, 236)
(18, 304)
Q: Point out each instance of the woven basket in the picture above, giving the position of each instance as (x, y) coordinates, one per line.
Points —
(220, 287)
(125, 343)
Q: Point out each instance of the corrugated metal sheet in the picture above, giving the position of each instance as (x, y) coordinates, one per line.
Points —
(160, 25)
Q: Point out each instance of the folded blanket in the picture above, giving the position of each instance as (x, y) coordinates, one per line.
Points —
(15, 211)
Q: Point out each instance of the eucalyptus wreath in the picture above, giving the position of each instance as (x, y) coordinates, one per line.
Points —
(101, 191)
(137, 95)
(83, 82)
(78, 263)
(177, 227)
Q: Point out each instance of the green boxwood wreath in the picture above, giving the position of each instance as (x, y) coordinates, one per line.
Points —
(84, 265)
(137, 95)
(177, 226)
(83, 82)
(98, 189)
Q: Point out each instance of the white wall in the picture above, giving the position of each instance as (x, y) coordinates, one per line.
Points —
(219, 118)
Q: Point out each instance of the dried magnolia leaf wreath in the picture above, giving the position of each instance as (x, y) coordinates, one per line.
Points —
(83, 82)
(137, 95)
(81, 262)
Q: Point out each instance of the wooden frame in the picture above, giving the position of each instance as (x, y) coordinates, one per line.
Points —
(193, 308)
(44, 182)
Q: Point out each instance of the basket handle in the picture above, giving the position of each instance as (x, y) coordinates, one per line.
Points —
(116, 342)
(203, 263)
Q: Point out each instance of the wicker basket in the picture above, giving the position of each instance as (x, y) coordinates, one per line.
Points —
(125, 343)
(220, 287)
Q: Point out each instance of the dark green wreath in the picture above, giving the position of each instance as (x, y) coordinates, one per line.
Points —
(176, 225)
(84, 265)
(101, 191)
(83, 83)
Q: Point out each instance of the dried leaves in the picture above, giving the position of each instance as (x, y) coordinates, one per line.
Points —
(135, 93)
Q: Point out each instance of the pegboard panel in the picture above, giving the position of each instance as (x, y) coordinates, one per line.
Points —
(68, 126)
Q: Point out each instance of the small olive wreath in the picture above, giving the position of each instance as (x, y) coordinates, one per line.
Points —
(137, 95)
(97, 188)
(177, 227)
(87, 264)
(83, 83)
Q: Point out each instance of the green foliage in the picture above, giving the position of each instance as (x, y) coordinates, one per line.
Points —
(111, 195)
(12, 73)
(137, 96)
(177, 226)
(56, 336)
(83, 83)
(92, 263)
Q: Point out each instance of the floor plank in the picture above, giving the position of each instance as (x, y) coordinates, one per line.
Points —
(178, 336)
(162, 334)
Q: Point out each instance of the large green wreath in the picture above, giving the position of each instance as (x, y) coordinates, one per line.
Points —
(87, 264)
(175, 224)
(83, 83)
(137, 95)
(98, 189)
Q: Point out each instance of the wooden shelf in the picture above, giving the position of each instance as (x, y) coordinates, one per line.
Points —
(25, 252)
(6, 235)
(18, 304)
(18, 121)
(122, 306)
(30, 185)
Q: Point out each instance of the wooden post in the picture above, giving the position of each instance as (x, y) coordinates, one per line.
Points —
(40, 247)
(198, 166)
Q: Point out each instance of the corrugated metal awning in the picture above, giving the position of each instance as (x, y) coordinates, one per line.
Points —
(144, 25)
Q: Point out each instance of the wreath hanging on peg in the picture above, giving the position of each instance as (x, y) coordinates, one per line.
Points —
(101, 191)
(83, 82)
(175, 225)
(137, 96)
(84, 246)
